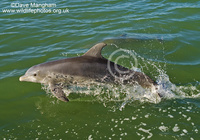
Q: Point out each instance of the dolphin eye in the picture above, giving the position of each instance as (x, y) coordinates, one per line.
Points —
(34, 74)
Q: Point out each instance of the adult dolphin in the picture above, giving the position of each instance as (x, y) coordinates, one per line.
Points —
(91, 66)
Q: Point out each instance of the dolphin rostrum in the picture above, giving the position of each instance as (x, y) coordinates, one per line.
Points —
(90, 66)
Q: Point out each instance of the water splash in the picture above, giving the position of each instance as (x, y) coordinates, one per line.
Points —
(121, 95)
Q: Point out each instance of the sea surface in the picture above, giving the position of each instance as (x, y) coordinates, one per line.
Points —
(159, 38)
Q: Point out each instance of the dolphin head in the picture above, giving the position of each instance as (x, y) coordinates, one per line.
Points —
(34, 74)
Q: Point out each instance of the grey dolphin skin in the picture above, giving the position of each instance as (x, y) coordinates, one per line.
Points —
(91, 66)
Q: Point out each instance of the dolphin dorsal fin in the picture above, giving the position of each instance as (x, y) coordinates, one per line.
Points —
(95, 51)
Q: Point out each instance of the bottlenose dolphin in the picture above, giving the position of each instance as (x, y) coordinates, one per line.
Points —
(90, 66)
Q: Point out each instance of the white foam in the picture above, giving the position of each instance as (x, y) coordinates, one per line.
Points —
(163, 128)
(90, 137)
(176, 128)
(146, 131)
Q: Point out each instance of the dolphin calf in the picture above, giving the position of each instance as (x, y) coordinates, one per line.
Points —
(91, 66)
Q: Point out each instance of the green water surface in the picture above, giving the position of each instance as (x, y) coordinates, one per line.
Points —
(165, 36)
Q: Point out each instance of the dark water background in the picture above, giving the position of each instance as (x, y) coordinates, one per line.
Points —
(164, 35)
